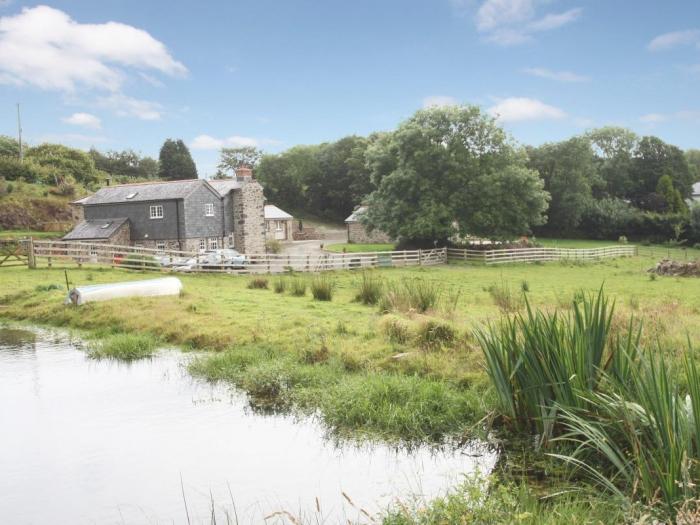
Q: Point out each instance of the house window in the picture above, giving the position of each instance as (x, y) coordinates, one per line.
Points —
(157, 211)
(202, 245)
(93, 250)
(209, 209)
(213, 244)
(230, 240)
(279, 226)
(160, 245)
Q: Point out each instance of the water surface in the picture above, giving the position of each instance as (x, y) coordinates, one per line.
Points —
(85, 441)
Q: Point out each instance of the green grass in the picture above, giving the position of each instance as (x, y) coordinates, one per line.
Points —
(21, 234)
(358, 248)
(124, 347)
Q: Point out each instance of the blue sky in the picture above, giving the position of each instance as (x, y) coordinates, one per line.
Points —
(128, 74)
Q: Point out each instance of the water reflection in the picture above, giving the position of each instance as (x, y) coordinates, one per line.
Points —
(87, 441)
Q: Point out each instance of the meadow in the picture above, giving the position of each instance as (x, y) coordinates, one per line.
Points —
(404, 364)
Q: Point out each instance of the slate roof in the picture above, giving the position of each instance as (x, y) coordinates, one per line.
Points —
(223, 186)
(146, 191)
(94, 229)
(355, 216)
(272, 212)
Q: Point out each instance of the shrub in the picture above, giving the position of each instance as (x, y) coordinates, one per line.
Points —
(370, 288)
(297, 286)
(258, 283)
(434, 334)
(273, 246)
(137, 261)
(396, 329)
(322, 287)
(126, 347)
(279, 285)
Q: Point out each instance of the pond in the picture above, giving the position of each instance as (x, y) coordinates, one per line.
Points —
(85, 441)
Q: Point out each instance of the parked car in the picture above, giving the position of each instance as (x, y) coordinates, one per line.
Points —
(226, 259)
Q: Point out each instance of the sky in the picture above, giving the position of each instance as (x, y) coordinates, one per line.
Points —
(277, 73)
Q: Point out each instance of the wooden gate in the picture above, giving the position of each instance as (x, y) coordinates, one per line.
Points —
(13, 253)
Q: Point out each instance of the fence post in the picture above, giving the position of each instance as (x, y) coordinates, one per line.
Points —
(31, 260)
(420, 257)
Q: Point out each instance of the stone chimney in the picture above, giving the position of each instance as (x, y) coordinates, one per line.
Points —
(244, 174)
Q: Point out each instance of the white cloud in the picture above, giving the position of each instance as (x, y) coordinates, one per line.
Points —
(125, 106)
(657, 118)
(559, 76)
(439, 101)
(674, 39)
(44, 47)
(517, 109)
(513, 22)
(653, 118)
(234, 141)
(84, 119)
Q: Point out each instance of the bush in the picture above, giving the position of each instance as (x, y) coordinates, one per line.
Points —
(297, 286)
(370, 287)
(258, 283)
(137, 261)
(273, 246)
(322, 287)
(279, 285)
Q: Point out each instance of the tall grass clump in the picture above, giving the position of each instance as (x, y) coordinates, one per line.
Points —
(297, 285)
(257, 283)
(419, 295)
(279, 285)
(322, 287)
(504, 298)
(126, 347)
(539, 361)
(370, 288)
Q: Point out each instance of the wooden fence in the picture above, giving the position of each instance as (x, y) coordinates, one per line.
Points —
(13, 253)
(49, 253)
(520, 255)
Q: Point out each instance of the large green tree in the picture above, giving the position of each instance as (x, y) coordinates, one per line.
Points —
(284, 176)
(614, 148)
(693, 158)
(127, 163)
(452, 170)
(652, 160)
(175, 161)
(65, 165)
(569, 172)
(230, 159)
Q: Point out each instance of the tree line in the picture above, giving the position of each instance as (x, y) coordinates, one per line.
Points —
(454, 171)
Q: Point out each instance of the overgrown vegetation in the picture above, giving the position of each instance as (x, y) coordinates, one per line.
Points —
(322, 285)
(370, 287)
(257, 283)
(125, 347)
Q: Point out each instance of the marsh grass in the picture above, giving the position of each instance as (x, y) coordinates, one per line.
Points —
(257, 283)
(396, 329)
(279, 285)
(125, 347)
(433, 334)
(504, 298)
(419, 295)
(322, 287)
(369, 288)
(298, 285)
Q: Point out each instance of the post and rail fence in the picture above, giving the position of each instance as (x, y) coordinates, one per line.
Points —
(47, 253)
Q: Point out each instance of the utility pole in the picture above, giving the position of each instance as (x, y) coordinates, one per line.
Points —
(19, 134)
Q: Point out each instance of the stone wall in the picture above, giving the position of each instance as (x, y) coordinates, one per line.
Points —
(358, 234)
(249, 218)
(121, 237)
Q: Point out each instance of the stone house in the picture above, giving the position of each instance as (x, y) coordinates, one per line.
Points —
(190, 215)
(279, 224)
(357, 232)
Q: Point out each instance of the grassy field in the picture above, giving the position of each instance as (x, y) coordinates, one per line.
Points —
(21, 234)
(358, 248)
(407, 375)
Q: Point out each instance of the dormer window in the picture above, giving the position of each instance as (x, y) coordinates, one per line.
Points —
(132, 195)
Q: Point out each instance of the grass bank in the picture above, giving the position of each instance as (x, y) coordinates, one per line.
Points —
(358, 248)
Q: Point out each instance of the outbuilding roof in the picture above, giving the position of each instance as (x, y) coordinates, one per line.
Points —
(223, 186)
(272, 212)
(94, 229)
(355, 216)
(144, 191)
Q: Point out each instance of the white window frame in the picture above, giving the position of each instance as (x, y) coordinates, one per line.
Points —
(160, 245)
(209, 209)
(156, 211)
(213, 243)
(202, 245)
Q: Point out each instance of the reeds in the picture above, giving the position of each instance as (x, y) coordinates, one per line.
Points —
(370, 288)
(126, 347)
(322, 287)
(258, 283)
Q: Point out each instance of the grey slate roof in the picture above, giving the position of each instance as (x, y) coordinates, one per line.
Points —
(223, 186)
(149, 191)
(355, 216)
(272, 212)
(94, 229)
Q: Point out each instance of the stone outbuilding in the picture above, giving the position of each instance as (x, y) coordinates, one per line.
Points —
(357, 232)
(279, 224)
